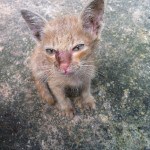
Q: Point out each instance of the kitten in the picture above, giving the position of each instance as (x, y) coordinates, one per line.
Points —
(62, 63)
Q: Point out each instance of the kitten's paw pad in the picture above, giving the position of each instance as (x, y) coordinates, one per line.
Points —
(69, 113)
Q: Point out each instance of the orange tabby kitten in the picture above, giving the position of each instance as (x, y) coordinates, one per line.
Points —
(63, 60)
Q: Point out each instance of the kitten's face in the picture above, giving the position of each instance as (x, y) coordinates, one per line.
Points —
(68, 42)
(66, 45)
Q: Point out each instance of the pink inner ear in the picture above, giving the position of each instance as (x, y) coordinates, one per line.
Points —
(95, 26)
(92, 16)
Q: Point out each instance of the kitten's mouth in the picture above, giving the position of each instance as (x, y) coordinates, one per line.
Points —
(66, 72)
(65, 69)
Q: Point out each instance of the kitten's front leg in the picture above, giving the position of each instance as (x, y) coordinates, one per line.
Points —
(64, 103)
(87, 100)
(44, 92)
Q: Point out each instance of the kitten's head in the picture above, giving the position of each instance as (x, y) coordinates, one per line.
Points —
(68, 42)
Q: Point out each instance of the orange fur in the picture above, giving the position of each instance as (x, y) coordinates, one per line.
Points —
(54, 63)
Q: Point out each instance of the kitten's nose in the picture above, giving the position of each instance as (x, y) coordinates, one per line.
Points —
(64, 67)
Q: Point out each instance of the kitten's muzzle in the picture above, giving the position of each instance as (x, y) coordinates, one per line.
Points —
(63, 59)
(65, 69)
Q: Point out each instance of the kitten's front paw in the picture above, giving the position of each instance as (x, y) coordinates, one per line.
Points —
(65, 108)
(89, 103)
(69, 112)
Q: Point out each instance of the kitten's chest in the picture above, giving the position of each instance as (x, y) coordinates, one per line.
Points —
(73, 88)
(72, 91)
(71, 81)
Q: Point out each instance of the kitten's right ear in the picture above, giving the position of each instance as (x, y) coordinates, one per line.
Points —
(35, 22)
(92, 17)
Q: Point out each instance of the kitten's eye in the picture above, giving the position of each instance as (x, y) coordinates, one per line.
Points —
(50, 51)
(78, 47)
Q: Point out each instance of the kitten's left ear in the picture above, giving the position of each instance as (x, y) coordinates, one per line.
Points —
(35, 22)
(92, 17)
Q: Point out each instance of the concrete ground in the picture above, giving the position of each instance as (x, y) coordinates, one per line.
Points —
(121, 87)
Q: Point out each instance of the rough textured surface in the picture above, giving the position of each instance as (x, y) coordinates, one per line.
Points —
(121, 87)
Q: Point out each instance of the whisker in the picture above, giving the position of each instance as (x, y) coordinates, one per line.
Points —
(88, 65)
